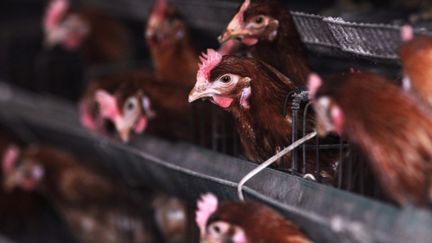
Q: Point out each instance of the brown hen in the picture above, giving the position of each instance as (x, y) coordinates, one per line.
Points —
(254, 93)
(416, 55)
(173, 56)
(96, 208)
(244, 222)
(391, 127)
(100, 38)
(268, 30)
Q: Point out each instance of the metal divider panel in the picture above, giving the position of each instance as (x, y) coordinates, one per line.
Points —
(330, 34)
(184, 170)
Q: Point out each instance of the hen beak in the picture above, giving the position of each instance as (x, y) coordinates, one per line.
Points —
(195, 94)
(234, 30)
(49, 44)
(323, 124)
(54, 37)
(224, 37)
(233, 33)
(323, 129)
(149, 33)
(9, 183)
(124, 134)
(154, 22)
(123, 130)
(151, 28)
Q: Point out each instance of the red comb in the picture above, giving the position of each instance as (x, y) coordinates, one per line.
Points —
(161, 5)
(239, 17)
(407, 33)
(9, 157)
(158, 10)
(107, 104)
(55, 11)
(314, 84)
(208, 60)
(206, 206)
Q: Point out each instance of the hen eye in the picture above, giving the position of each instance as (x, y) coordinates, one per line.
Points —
(259, 19)
(216, 229)
(130, 106)
(226, 79)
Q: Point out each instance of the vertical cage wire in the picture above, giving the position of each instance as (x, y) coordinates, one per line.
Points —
(351, 172)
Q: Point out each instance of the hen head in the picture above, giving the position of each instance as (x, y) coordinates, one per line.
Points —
(128, 112)
(64, 28)
(330, 117)
(165, 25)
(21, 170)
(224, 80)
(216, 231)
(254, 21)
(416, 55)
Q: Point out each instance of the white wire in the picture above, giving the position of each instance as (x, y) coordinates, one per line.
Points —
(270, 161)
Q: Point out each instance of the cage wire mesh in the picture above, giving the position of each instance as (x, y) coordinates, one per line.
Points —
(328, 34)
(352, 172)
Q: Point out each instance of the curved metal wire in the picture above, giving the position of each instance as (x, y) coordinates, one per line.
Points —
(270, 161)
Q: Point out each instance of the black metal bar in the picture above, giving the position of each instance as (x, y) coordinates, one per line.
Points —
(317, 159)
(295, 106)
(350, 170)
(305, 112)
(340, 164)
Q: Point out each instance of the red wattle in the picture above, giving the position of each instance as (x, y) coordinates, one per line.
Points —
(85, 117)
(249, 41)
(141, 125)
(223, 102)
(28, 185)
(72, 43)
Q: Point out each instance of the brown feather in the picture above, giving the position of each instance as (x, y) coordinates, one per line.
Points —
(393, 130)
(287, 52)
(175, 58)
(175, 63)
(260, 223)
(96, 208)
(263, 128)
(23, 212)
(417, 59)
(108, 41)
(173, 118)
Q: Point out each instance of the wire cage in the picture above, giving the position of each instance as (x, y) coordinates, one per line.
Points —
(352, 171)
